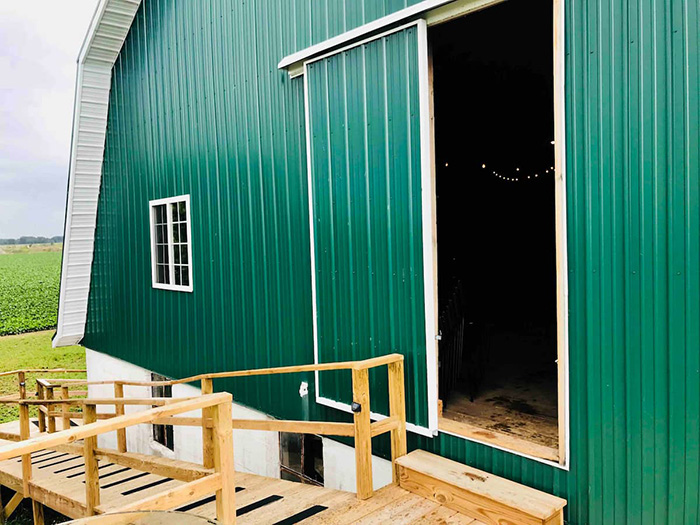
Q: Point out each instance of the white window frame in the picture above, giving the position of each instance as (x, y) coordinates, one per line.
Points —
(171, 256)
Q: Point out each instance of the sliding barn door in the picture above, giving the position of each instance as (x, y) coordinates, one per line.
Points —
(371, 218)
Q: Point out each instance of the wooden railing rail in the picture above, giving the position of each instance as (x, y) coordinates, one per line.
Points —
(362, 429)
(218, 481)
(373, 362)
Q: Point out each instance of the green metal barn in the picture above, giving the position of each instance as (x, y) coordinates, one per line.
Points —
(505, 192)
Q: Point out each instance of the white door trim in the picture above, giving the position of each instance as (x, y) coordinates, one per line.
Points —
(427, 192)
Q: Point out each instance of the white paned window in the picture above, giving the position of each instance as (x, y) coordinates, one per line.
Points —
(171, 244)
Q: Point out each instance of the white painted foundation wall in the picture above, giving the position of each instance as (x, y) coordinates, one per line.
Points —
(255, 452)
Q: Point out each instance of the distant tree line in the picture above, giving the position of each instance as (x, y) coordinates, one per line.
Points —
(32, 240)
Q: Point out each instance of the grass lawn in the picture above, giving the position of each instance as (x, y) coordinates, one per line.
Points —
(33, 350)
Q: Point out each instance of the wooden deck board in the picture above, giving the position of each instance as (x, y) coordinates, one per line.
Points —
(259, 500)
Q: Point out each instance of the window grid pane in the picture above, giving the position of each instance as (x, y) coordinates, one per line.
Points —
(171, 249)
(161, 238)
(178, 216)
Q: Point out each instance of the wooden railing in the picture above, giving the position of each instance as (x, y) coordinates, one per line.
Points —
(198, 482)
(65, 407)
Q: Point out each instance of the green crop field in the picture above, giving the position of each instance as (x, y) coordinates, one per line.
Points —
(29, 283)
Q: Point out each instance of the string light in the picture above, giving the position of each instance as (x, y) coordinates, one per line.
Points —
(514, 178)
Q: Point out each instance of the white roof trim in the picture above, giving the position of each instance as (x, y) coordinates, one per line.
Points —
(103, 42)
(433, 11)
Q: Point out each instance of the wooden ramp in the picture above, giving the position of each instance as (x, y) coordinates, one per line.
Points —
(59, 483)
(67, 471)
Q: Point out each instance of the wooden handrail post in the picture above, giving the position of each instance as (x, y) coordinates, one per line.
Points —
(40, 394)
(51, 419)
(208, 433)
(92, 474)
(397, 408)
(65, 394)
(223, 463)
(119, 411)
(26, 458)
(363, 433)
(22, 385)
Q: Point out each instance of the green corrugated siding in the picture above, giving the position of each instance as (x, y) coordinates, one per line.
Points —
(366, 174)
(198, 107)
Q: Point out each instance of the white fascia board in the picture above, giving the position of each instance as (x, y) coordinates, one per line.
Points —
(109, 25)
(433, 11)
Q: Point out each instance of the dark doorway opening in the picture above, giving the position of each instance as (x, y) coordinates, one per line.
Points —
(497, 297)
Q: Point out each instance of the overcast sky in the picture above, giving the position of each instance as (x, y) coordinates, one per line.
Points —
(39, 44)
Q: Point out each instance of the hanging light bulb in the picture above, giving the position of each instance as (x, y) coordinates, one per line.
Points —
(483, 165)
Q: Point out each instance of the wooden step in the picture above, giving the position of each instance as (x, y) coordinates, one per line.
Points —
(476, 493)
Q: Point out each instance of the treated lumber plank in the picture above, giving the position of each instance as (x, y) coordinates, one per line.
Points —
(207, 387)
(444, 516)
(38, 512)
(363, 433)
(301, 427)
(499, 439)
(356, 509)
(92, 474)
(183, 421)
(120, 411)
(223, 463)
(404, 510)
(101, 427)
(51, 420)
(147, 401)
(27, 456)
(65, 409)
(169, 468)
(41, 371)
(67, 506)
(476, 493)
(384, 425)
(397, 409)
(41, 394)
(177, 496)
(12, 504)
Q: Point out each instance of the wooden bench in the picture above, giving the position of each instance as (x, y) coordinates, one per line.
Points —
(476, 493)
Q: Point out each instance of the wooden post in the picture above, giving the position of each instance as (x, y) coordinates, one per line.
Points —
(26, 458)
(208, 433)
(41, 394)
(38, 511)
(65, 394)
(397, 408)
(223, 463)
(92, 474)
(363, 433)
(51, 419)
(119, 411)
(22, 385)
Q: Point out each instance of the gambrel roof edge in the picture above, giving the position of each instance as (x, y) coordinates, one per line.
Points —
(104, 40)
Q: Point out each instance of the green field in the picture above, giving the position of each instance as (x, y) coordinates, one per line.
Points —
(29, 283)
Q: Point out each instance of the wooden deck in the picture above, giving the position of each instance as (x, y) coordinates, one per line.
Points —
(58, 482)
